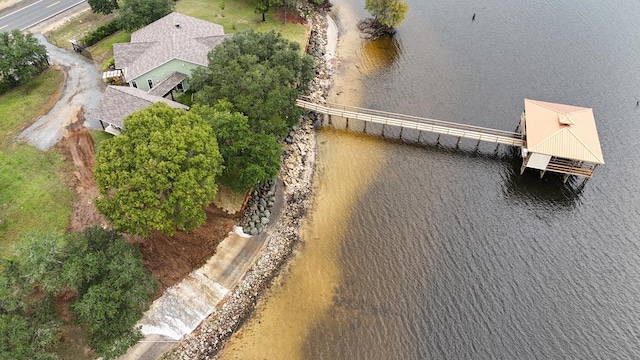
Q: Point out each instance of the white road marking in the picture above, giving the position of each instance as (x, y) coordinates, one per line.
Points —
(28, 6)
(55, 3)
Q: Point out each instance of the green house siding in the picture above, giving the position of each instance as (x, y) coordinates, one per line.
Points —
(161, 72)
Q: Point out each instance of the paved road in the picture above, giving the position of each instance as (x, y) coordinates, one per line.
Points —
(26, 14)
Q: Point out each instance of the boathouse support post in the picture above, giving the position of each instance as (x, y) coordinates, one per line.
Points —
(524, 163)
(438, 140)
(542, 172)
(458, 142)
(565, 178)
(419, 134)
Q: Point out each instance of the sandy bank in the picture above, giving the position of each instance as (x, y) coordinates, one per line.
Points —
(297, 170)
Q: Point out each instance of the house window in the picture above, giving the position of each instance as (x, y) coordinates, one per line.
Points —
(150, 82)
(133, 83)
(179, 86)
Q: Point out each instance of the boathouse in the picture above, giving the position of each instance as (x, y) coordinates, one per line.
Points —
(559, 138)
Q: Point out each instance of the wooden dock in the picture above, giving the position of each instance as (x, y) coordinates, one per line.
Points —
(417, 123)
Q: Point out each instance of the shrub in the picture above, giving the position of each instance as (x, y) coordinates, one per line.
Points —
(100, 33)
(108, 63)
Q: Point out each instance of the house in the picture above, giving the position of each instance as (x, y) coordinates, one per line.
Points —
(560, 138)
(164, 53)
(119, 102)
(156, 63)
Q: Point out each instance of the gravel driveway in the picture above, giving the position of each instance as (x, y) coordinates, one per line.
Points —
(83, 90)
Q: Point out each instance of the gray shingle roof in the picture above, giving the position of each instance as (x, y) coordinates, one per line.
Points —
(119, 102)
(175, 36)
(167, 84)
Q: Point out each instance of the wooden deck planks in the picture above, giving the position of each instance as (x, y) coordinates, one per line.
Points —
(416, 123)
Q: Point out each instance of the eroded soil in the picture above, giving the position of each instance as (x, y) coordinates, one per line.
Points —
(168, 258)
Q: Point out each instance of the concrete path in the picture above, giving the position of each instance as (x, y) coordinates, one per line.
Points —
(82, 90)
(185, 305)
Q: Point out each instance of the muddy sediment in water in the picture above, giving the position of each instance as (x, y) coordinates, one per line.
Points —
(297, 171)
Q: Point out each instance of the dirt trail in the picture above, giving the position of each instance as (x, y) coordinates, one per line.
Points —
(78, 147)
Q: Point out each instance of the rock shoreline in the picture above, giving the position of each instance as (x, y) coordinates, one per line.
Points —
(298, 165)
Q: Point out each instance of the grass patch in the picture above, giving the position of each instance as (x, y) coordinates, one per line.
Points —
(77, 27)
(103, 49)
(238, 15)
(34, 194)
(99, 137)
(22, 105)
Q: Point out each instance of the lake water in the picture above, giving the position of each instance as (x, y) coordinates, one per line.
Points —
(432, 252)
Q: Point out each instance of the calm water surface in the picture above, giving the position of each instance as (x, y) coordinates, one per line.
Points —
(449, 253)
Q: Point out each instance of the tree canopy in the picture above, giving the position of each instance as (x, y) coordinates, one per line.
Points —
(159, 173)
(103, 6)
(250, 158)
(389, 13)
(21, 57)
(261, 74)
(135, 14)
(104, 274)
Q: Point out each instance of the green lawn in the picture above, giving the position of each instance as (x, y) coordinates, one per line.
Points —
(239, 15)
(103, 50)
(20, 106)
(76, 28)
(98, 137)
(34, 195)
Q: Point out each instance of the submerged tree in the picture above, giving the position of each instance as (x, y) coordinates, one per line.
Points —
(387, 14)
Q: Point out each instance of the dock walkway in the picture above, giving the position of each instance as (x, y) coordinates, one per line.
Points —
(414, 122)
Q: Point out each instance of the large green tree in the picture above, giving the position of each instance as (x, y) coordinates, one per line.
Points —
(21, 57)
(135, 14)
(104, 273)
(261, 74)
(28, 325)
(159, 173)
(249, 158)
(389, 13)
(103, 6)
(113, 286)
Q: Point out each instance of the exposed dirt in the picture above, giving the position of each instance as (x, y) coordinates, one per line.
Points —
(292, 17)
(78, 147)
(169, 259)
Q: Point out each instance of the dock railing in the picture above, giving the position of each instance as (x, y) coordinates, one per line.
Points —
(415, 122)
